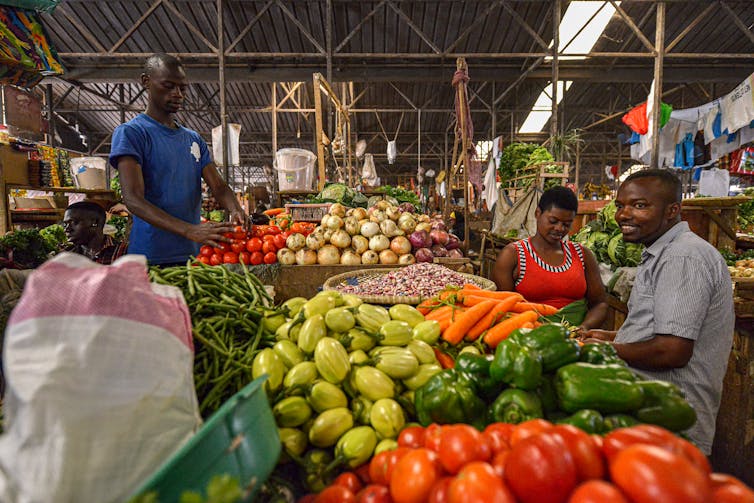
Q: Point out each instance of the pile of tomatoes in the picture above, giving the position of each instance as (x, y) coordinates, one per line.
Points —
(257, 246)
(535, 461)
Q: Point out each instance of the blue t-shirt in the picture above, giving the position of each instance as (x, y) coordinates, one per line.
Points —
(171, 163)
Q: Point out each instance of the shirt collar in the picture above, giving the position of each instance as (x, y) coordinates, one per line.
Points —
(664, 240)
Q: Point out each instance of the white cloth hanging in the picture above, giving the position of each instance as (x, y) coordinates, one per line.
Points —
(490, 184)
(738, 106)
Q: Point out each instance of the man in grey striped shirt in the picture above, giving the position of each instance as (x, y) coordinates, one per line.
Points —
(680, 314)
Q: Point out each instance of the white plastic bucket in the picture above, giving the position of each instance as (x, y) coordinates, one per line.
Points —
(89, 172)
(295, 167)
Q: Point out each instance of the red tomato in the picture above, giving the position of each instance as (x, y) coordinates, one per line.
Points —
(363, 473)
(589, 460)
(648, 474)
(203, 259)
(274, 229)
(378, 468)
(458, 446)
(268, 238)
(279, 241)
(239, 233)
(230, 258)
(257, 258)
(237, 246)
(221, 248)
(732, 493)
(349, 480)
(598, 440)
(527, 429)
(309, 498)
(270, 257)
(413, 436)
(216, 259)
(597, 491)
(439, 491)
(268, 247)
(335, 494)
(617, 440)
(692, 453)
(722, 479)
(374, 494)
(254, 245)
(498, 462)
(228, 235)
(540, 469)
(244, 257)
(392, 460)
(413, 476)
(478, 483)
(432, 437)
(498, 436)
(206, 251)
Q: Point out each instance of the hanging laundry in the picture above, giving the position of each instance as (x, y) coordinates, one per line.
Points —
(638, 121)
(738, 106)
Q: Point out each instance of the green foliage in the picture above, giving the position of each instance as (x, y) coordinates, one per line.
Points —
(746, 212)
(115, 185)
(604, 238)
(120, 224)
(216, 215)
(26, 247)
(54, 236)
(401, 195)
(220, 489)
(514, 158)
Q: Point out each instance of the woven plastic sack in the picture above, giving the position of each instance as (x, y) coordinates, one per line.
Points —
(100, 392)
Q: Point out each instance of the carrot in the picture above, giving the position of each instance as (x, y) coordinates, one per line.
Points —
(444, 359)
(444, 323)
(502, 330)
(490, 318)
(528, 324)
(489, 294)
(273, 212)
(471, 286)
(439, 312)
(472, 300)
(458, 329)
(425, 307)
(542, 309)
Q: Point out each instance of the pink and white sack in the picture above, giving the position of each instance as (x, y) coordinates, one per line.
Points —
(100, 390)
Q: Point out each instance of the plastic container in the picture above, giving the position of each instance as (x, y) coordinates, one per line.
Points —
(89, 172)
(240, 439)
(295, 167)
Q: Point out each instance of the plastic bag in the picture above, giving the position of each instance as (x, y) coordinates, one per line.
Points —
(392, 152)
(234, 139)
(100, 391)
(714, 182)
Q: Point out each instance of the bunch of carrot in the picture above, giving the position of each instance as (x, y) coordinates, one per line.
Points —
(469, 312)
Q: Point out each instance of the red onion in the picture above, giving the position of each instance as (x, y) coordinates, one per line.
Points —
(407, 207)
(455, 253)
(423, 255)
(420, 239)
(439, 237)
(439, 251)
(438, 225)
(453, 242)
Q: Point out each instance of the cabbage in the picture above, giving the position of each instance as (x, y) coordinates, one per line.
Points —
(616, 249)
(633, 254)
(607, 217)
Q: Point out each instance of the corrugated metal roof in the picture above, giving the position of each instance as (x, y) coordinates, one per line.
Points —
(385, 48)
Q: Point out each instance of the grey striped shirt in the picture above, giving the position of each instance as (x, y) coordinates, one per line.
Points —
(683, 288)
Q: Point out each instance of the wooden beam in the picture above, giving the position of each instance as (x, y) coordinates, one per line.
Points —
(481, 18)
(85, 32)
(135, 27)
(526, 26)
(300, 26)
(193, 29)
(413, 26)
(656, 97)
(698, 19)
(630, 22)
(737, 20)
(356, 28)
(248, 27)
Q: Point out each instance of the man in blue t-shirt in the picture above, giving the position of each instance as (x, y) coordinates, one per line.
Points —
(161, 166)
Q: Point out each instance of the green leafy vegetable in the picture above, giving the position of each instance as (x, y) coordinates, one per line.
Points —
(54, 236)
(120, 224)
(24, 249)
(401, 195)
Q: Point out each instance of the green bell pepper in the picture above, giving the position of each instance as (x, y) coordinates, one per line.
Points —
(599, 353)
(476, 369)
(591, 421)
(553, 344)
(606, 388)
(614, 421)
(664, 405)
(546, 393)
(449, 398)
(515, 406)
(516, 365)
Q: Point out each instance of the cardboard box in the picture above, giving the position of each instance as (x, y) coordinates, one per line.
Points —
(14, 166)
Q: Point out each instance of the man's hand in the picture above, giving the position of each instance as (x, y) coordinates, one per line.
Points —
(238, 217)
(209, 233)
(597, 335)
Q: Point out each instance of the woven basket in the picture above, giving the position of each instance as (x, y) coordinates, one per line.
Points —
(355, 277)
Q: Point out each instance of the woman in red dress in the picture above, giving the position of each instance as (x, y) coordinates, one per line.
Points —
(548, 269)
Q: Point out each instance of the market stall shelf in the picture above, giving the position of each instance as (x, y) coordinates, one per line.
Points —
(713, 218)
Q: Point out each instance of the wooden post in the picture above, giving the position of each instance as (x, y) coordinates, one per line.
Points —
(656, 97)
(223, 104)
(555, 69)
(464, 159)
(274, 117)
(577, 169)
(317, 78)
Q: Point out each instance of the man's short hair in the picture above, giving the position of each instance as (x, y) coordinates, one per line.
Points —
(671, 184)
(560, 197)
(94, 210)
(161, 60)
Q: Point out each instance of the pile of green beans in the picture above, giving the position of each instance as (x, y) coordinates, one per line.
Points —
(227, 312)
